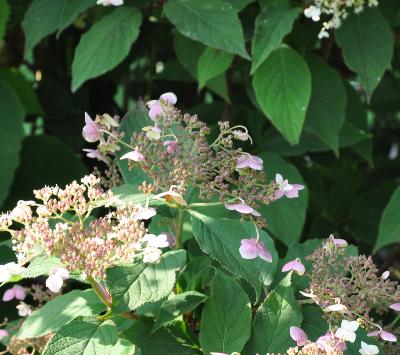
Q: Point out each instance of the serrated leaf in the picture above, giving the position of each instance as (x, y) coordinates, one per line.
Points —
(4, 15)
(105, 45)
(41, 266)
(270, 331)
(367, 43)
(282, 86)
(59, 311)
(44, 17)
(131, 287)
(200, 20)
(327, 109)
(83, 335)
(11, 134)
(277, 212)
(273, 23)
(389, 226)
(161, 342)
(220, 239)
(212, 63)
(175, 306)
(226, 317)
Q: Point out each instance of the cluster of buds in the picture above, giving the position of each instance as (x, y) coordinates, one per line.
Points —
(176, 155)
(336, 10)
(62, 226)
(349, 289)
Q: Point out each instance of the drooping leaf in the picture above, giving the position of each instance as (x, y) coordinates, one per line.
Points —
(85, 336)
(175, 306)
(327, 108)
(221, 239)
(271, 324)
(285, 217)
(105, 45)
(367, 43)
(226, 318)
(161, 342)
(11, 134)
(282, 86)
(212, 63)
(134, 286)
(273, 23)
(200, 20)
(389, 226)
(44, 17)
(4, 15)
(59, 311)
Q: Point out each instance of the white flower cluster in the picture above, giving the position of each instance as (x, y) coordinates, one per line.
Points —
(337, 10)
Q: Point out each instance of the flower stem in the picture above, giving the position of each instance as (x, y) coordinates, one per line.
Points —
(100, 292)
(179, 232)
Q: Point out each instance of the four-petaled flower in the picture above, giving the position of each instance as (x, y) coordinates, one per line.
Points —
(299, 336)
(367, 349)
(249, 161)
(384, 335)
(156, 241)
(56, 278)
(16, 292)
(347, 330)
(242, 208)
(90, 130)
(252, 248)
(135, 155)
(295, 265)
(110, 2)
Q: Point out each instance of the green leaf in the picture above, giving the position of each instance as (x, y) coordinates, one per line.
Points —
(123, 347)
(212, 63)
(389, 226)
(367, 43)
(85, 336)
(276, 214)
(175, 306)
(196, 273)
(59, 311)
(327, 109)
(226, 318)
(221, 239)
(282, 86)
(314, 325)
(11, 134)
(200, 20)
(273, 320)
(161, 342)
(105, 45)
(41, 266)
(23, 88)
(44, 17)
(133, 121)
(239, 5)
(273, 23)
(4, 15)
(361, 335)
(131, 287)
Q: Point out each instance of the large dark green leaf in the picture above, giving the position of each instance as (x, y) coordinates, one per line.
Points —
(282, 86)
(201, 21)
(273, 320)
(367, 43)
(226, 318)
(220, 238)
(44, 17)
(84, 336)
(11, 133)
(273, 23)
(105, 45)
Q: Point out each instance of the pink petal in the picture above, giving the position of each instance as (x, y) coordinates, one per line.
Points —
(295, 265)
(248, 249)
(387, 336)
(145, 213)
(9, 295)
(298, 335)
(134, 155)
(294, 192)
(3, 333)
(278, 194)
(373, 334)
(155, 111)
(169, 97)
(256, 163)
(91, 130)
(19, 292)
(239, 207)
(340, 242)
(94, 153)
(395, 307)
(264, 252)
(60, 271)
